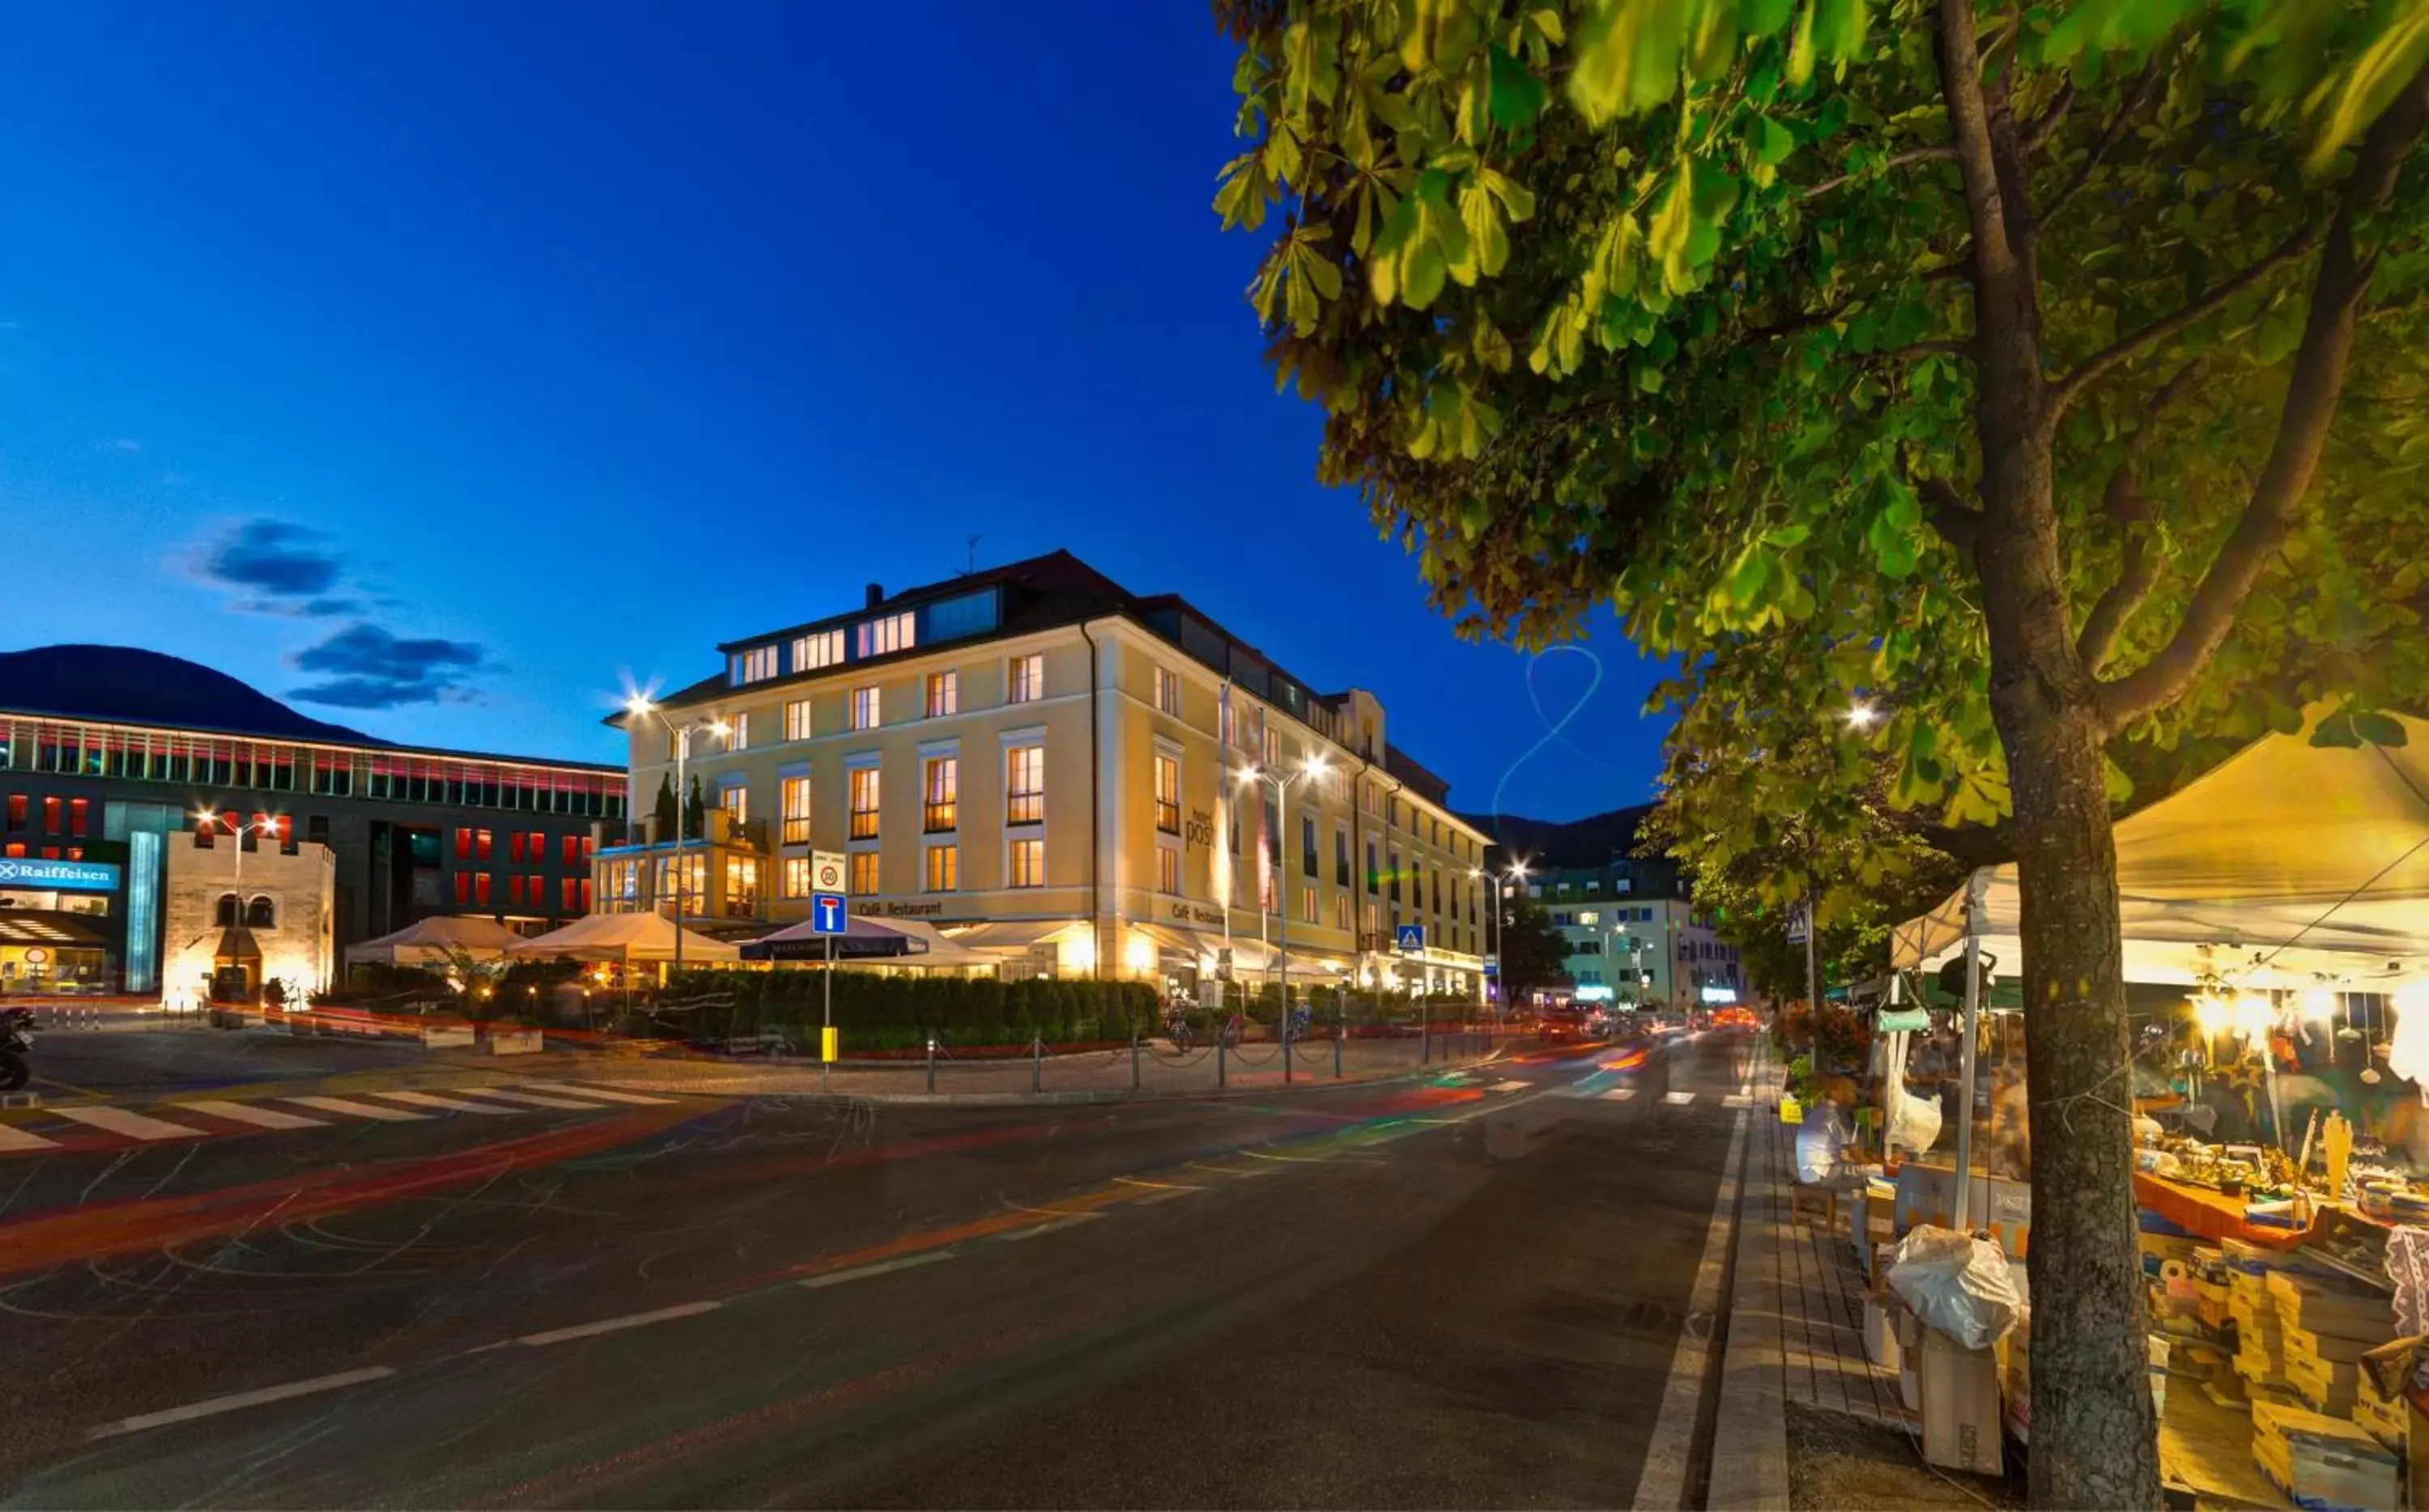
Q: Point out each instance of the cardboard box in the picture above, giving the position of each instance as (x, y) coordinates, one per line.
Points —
(1880, 1332)
(2328, 1385)
(1927, 1195)
(2320, 1461)
(1961, 1405)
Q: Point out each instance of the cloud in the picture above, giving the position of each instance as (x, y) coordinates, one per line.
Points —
(123, 443)
(325, 608)
(367, 666)
(273, 560)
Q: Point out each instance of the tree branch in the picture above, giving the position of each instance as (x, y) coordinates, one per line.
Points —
(2034, 134)
(2037, 131)
(2309, 408)
(2138, 570)
(1995, 256)
(1959, 523)
(2065, 391)
(2136, 98)
(1916, 348)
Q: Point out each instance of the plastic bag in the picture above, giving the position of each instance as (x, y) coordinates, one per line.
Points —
(1915, 1120)
(1956, 1284)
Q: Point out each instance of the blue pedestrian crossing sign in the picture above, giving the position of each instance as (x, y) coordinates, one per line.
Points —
(826, 913)
(1408, 939)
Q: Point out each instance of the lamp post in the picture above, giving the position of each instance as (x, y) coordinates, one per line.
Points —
(638, 706)
(1492, 929)
(1282, 784)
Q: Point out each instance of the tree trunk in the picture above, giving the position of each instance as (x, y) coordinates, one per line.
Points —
(2095, 1438)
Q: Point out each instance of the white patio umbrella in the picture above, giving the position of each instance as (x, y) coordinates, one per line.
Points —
(628, 938)
(437, 940)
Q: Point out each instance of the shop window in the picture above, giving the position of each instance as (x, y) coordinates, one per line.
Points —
(261, 913)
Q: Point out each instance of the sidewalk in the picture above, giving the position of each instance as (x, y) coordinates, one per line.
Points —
(1795, 1331)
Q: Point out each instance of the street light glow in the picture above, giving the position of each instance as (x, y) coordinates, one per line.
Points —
(1862, 715)
(638, 704)
(1315, 765)
(720, 728)
(1246, 775)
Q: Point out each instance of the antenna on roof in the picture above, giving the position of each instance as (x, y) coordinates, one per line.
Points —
(974, 555)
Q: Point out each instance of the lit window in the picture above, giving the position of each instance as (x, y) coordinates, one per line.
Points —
(569, 895)
(1307, 904)
(481, 846)
(1028, 863)
(1341, 910)
(1168, 795)
(797, 719)
(943, 869)
(515, 891)
(1590, 918)
(864, 803)
(756, 664)
(889, 633)
(1026, 682)
(77, 816)
(944, 694)
(1167, 690)
(735, 799)
(1024, 784)
(822, 649)
(863, 873)
(741, 887)
(863, 708)
(463, 844)
(570, 852)
(939, 792)
(1273, 747)
(739, 732)
(463, 888)
(481, 888)
(1167, 871)
(515, 846)
(796, 803)
(797, 877)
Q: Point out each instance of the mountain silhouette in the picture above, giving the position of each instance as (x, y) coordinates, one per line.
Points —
(125, 685)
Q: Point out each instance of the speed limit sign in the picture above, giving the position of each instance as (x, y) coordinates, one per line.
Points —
(826, 871)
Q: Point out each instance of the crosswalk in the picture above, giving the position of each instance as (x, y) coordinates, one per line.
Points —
(57, 1128)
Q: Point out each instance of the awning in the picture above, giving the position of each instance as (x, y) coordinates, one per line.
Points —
(22, 930)
(1182, 942)
(897, 942)
(438, 939)
(2288, 862)
(1014, 936)
(625, 937)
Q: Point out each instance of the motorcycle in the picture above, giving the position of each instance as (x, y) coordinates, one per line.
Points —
(16, 1043)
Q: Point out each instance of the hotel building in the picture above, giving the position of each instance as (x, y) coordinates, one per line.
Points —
(1044, 766)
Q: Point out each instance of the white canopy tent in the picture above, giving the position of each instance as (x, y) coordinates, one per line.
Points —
(630, 938)
(2291, 866)
(437, 940)
(867, 942)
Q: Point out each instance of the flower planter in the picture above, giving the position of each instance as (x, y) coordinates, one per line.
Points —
(447, 1037)
(512, 1040)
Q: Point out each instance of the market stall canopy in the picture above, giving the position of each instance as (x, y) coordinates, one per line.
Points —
(625, 937)
(1014, 937)
(2290, 863)
(891, 942)
(442, 938)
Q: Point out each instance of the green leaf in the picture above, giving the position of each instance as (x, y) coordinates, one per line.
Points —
(1518, 96)
(1771, 141)
(2338, 730)
(1673, 223)
(1626, 59)
(1762, 18)
(2379, 729)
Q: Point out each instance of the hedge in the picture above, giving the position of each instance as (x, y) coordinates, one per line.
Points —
(881, 1013)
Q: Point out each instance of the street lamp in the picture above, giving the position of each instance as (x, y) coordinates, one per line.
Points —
(208, 818)
(1492, 934)
(638, 707)
(1281, 783)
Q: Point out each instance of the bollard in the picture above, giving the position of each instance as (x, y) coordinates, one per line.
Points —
(1037, 1062)
(932, 1062)
(1339, 1036)
(1135, 1067)
(1222, 1059)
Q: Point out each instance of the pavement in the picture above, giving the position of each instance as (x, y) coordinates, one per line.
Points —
(1465, 1289)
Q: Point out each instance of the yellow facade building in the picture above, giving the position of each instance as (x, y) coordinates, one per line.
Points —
(1048, 768)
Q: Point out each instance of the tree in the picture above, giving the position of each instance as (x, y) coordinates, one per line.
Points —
(1990, 369)
(695, 809)
(1533, 952)
(663, 810)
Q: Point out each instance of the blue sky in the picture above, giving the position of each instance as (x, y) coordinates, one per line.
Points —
(450, 363)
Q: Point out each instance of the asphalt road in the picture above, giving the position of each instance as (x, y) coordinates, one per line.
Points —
(1453, 1293)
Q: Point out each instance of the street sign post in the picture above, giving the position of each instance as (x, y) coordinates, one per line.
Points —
(1408, 939)
(828, 916)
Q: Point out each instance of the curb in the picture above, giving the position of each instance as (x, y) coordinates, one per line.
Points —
(1753, 1398)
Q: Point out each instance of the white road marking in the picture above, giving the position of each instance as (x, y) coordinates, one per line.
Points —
(1662, 1481)
(1678, 1099)
(617, 1326)
(860, 1272)
(1619, 1094)
(258, 1117)
(531, 1098)
(1166, 1194)
(213, 1405)
(452, 1105)
(134, 1126)
(1159, 1186)
(613, 1094)
(1509, 1086)
(17, 1139)
(1066, 1220)
(356, 1110)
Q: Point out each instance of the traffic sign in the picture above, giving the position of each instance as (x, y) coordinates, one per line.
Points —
(826, 871)
(826, 913)
(1800, 922)
(1408, 939)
